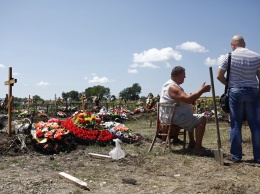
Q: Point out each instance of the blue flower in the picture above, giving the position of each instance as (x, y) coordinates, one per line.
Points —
(111, 130)
(118, 133)
(126, 135)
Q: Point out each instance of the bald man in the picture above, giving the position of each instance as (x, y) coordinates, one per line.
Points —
(244, 97)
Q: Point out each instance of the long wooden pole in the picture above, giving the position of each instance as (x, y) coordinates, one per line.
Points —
(219, 154)
(29, 101)
(10, 95)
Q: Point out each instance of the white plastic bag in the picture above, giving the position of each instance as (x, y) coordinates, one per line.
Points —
(117, 153)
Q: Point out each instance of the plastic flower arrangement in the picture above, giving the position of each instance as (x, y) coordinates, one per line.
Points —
(121, 131)
(87, 135)
(49, 137)
(86, 120)
(87, 129)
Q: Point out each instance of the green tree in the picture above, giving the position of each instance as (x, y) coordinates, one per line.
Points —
(131, 93)
(97, 90)
(64, 95)
(37, 99)
(73, 95)
(136, 90)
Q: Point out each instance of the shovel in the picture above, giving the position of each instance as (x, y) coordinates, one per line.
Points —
(218, 153)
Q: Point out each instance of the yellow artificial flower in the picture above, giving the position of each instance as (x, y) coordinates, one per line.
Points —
(88, 119)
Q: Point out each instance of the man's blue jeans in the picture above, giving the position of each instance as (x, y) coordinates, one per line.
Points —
(244, 102)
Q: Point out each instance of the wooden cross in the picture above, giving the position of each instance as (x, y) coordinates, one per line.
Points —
(9, 103)
(29, 101)
(55, 99)
(10, 83)
(83, 102)
(196, 108)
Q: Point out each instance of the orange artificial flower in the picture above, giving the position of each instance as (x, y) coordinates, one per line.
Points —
(49, 134)
(57, 135)
(61, 131)
(121, 128)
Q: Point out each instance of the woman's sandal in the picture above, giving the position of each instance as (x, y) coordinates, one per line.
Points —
(177, 141)
(191, 146)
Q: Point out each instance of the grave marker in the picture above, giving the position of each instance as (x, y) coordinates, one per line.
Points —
(29, 102)
(10, 84)
(83, 101)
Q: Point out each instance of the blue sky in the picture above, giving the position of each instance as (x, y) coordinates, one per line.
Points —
(56, 46)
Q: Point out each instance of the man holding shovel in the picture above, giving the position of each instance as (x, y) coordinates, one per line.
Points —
(172, 92)
(243, 94)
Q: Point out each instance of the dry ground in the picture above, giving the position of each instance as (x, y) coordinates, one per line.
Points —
(177, 171)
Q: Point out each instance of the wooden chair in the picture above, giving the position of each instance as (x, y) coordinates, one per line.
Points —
(165, 126)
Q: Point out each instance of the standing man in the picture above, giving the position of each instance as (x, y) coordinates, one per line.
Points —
(243, 95)
(172, 92)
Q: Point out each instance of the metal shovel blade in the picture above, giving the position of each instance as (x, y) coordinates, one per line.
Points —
(218, 154)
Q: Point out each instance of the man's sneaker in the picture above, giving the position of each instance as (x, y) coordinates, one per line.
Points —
(230, 158)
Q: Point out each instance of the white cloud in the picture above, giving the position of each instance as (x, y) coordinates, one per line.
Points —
(85, 78)
(133, 71)
(191, 46)
(97, 79)
(2, 66)
(155, 55)
(135, 65)
(149, 65)
(43, 84)
(146, 59)
(15, 73)
(168, 65)
(143, 65)
(210, 62)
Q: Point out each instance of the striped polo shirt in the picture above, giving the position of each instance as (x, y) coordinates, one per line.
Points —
(243, 69)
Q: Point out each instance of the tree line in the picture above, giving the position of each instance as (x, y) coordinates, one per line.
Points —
(130, 93)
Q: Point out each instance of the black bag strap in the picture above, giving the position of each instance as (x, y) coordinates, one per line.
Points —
(228, 72)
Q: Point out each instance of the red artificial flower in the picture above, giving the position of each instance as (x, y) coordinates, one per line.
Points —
(98, 120)
(105, 136)
(88, 114)
(54, 120)
(56, 146)
(87, 134)
(45, 146)
(38, 132)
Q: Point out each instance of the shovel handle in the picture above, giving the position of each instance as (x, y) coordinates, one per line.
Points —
(215, 106)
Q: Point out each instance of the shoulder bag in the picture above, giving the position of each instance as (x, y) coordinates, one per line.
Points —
(224, 101)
